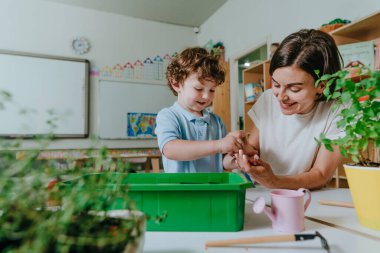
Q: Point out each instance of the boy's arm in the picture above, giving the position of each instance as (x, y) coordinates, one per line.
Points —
(187, 150)
(175, 148)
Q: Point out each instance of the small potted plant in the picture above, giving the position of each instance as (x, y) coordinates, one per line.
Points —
(218, 50)
(334, 24)
(360, 122)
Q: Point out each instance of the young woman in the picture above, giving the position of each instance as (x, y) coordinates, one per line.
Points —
(288, 117)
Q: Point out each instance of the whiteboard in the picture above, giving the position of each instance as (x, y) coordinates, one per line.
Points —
(43, 89)
(117, 99)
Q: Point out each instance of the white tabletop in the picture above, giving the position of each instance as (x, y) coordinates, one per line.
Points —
(340, 240)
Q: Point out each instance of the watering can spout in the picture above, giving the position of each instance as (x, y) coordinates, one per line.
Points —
(259, 207)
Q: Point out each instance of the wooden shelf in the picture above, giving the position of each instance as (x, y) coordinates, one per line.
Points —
(221, 103)
(254, 74)
(367, 28)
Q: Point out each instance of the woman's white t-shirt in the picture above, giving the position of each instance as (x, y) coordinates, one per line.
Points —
(287, 141)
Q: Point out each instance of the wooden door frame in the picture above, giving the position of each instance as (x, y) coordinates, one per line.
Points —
(234, 78)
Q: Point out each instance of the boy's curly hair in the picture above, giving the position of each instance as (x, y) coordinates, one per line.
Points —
(194, 60)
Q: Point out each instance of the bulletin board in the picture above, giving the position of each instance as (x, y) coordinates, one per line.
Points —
(48, 95)
(119, 99)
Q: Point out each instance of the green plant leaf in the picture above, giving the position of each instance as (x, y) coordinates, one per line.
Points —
(343, 151)
(346, 96)
(353, 150)
(326, 92)
(325, 77)
(355, 158)
(328, 147)
(335, 95)
(340, 84)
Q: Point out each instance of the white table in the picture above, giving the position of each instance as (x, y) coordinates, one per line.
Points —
(340, 240)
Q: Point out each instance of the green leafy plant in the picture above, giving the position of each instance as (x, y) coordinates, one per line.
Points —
(359, 93)
(40, 213)
(79, 221)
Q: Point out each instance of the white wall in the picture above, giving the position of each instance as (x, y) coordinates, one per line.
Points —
(38, 26)
(244, 24)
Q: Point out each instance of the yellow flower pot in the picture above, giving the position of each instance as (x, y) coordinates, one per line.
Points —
(364, 183)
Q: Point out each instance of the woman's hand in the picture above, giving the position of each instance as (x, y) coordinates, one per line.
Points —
(257, 169)
(250, 151)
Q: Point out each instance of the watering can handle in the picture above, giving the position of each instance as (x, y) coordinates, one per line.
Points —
(308, 197)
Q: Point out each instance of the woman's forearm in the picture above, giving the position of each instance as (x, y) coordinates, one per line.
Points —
(313, 179)
(318, 176)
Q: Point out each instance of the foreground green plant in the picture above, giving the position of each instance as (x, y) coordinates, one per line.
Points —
(81, 222)
(40, 213)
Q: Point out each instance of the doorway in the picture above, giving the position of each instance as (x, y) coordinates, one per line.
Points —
(251, 58)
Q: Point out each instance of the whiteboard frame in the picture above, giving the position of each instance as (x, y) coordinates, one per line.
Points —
(86, 95)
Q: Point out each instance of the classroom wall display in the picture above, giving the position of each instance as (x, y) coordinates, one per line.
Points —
(358, 54)
(48, 95)
(141, 125)
(252, 91)
(124, 105)
(152, 68)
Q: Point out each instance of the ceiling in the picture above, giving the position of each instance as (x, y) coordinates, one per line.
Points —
(191, 13)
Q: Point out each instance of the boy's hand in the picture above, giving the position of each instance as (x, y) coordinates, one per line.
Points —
(231, 143)
(247, 148)
(239, 134)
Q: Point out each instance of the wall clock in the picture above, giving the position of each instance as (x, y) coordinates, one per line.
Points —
(80, 45)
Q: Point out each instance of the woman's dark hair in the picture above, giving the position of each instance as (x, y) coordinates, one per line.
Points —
(194, 60)
(310, 50)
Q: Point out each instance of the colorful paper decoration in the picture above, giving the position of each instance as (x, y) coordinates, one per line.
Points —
(158, 67)
(117, 71)
(94, 71)
(106, 71)
(129, 71)
(139, 69)
(149, 69)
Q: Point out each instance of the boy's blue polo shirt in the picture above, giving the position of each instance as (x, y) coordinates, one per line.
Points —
(175, 123)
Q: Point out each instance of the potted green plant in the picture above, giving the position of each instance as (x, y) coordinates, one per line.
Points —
(334, 24)
(358, 90)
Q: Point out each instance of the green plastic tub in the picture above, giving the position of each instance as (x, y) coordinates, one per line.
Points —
(192, 201)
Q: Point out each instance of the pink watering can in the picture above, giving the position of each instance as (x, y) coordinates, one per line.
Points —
(288, 209)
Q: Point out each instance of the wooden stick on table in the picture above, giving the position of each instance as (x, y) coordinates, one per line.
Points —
(336, 203)
(251, 240)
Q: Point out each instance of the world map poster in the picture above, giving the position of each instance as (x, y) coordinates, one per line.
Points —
(141, 125)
